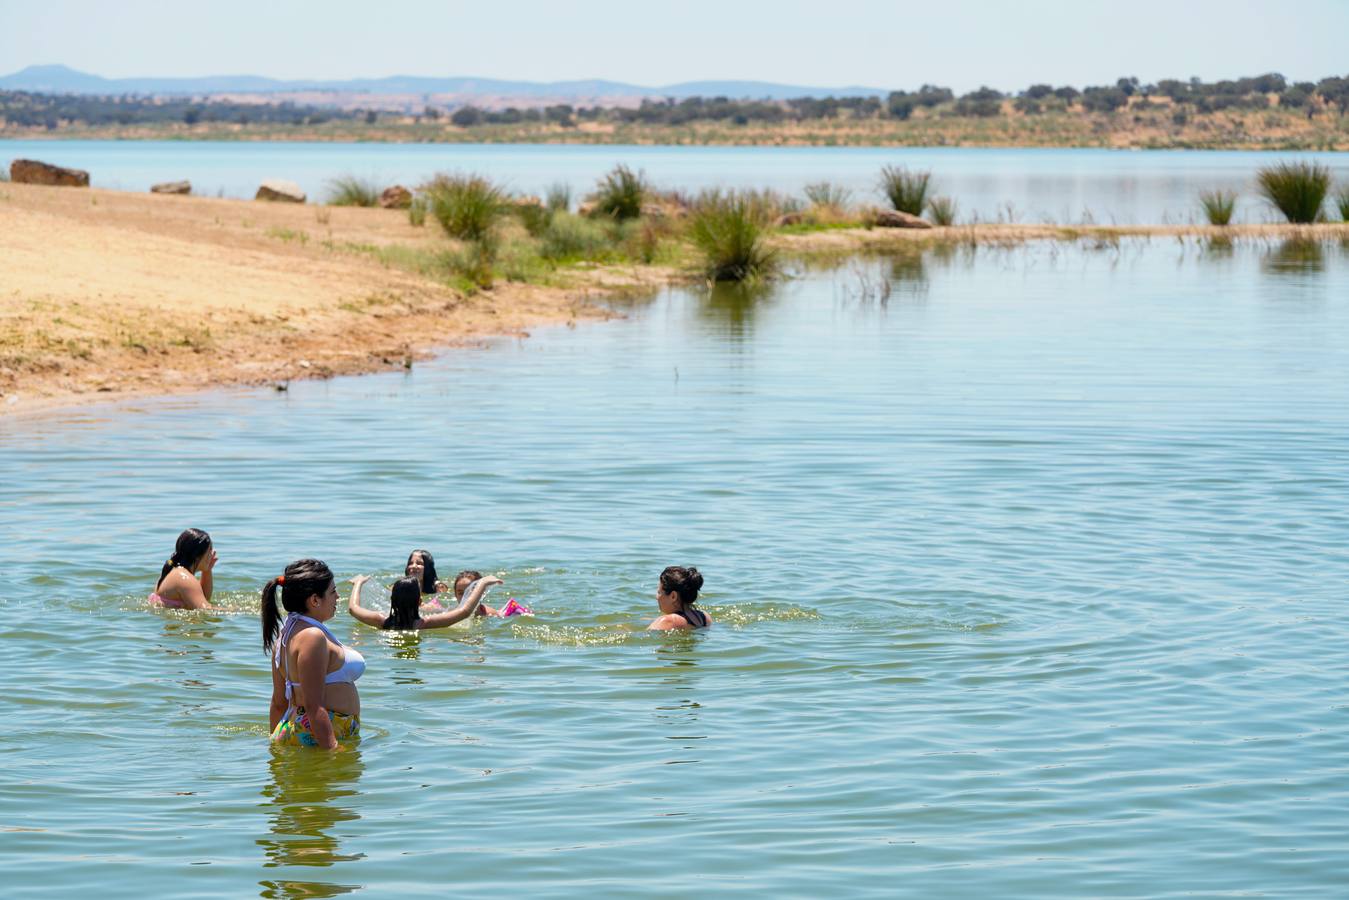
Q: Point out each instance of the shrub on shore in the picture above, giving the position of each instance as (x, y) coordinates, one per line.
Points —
(1342, 203)
(417, 211)
(571, 237)
(1218, 206)
(906, 190)
(728, 230)
(348, 190)
(1296, 189)
(942, 210)
(532, 214)
(621, 193)
(466, 206)
(558, 197)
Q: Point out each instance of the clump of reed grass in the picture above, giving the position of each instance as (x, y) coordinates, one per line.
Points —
(1296, 189)
(417, 211)
(558, 197)
(476, 261)
(1342, 202)
(348, 190)
(1218, 206)
(532, 214)
(942, 210)
(621, 193)
(466, 206)
(572, 237)
(728, 230)
(828, 195)
(906, 190)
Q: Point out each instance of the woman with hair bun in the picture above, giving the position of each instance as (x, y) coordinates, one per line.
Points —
(676, 594)
(178, 587)
(314, 698)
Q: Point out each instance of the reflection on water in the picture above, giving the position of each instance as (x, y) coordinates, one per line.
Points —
(311, 795)
(1218, 248)
(734, 307)
(1295, 256)
(677, 714)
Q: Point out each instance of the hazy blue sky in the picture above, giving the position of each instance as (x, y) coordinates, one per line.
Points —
(879, 43)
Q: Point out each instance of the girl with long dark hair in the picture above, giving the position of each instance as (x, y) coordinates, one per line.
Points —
(178, 587)
(314, 698)
(405, 612)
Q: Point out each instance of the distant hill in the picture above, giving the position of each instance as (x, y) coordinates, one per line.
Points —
(57, 79)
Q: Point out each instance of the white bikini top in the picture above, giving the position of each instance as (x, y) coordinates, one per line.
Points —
(353, 664)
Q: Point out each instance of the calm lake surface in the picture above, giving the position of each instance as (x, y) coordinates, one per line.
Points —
(1028, 569)
(1023, 185)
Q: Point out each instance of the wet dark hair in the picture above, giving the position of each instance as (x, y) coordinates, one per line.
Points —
(428, 570)
(303, 579)
(404, 605)
(684, 582)
(192, 545)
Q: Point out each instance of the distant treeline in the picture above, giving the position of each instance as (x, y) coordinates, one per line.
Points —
(1329, 95)
(54, 110)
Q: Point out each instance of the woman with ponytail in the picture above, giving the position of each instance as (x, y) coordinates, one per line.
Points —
(676, 594)
(314, 698)
(405, 612)
(177, 587)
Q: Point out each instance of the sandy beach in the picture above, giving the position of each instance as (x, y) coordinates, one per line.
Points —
(107, 294)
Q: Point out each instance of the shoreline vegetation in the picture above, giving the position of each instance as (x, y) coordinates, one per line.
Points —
(113, 294)
(1264, 112)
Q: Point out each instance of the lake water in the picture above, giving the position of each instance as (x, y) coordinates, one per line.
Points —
(1024, 185)
(1028, 569)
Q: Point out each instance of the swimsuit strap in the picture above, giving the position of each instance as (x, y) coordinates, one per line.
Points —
(287, 629)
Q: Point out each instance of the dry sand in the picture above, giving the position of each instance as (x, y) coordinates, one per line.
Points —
(107, 294)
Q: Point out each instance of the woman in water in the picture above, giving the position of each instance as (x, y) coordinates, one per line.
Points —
(422, 566)
(314, 698)
(405, 613)
(177, 587)
(677, 593)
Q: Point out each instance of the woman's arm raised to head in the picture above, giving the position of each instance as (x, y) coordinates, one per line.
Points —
(358, 612)
(472, 597)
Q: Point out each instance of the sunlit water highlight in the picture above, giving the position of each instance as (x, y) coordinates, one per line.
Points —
(1028, 569)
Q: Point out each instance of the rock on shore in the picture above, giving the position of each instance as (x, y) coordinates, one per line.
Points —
(396, 197)
(893, 218)
(280, 191)
(30, 171)
(172, 187)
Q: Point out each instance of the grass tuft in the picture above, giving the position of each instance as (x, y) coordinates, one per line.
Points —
(466, 206)
(728, 230)
(829, 195)
(1296, 189)
(621, 193)
(942, 210)
(907, 191)
(348, 190)
(570, 238)
(1218, 206)
(558, 197)
(1342, 202)
(417, 211)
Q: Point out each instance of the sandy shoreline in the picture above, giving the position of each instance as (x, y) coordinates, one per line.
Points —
(107, 294)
